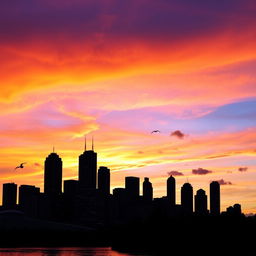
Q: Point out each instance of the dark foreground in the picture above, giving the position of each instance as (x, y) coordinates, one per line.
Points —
(197, 236)
(193, 235)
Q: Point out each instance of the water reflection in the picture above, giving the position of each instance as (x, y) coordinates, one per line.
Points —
(94, 251)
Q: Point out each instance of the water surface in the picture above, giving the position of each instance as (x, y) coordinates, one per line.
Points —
(90, 251)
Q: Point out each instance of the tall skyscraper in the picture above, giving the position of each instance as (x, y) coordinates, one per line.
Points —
(187, 198)
(171, 190)
(201, 203)
(132, 186)
(9, 195)
(52, 174)
(147, 190)
(215, 198)
(104, 180)
(88, 169)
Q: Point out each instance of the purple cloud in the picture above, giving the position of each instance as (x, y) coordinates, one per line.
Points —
(223, 182)
(175, 173)
(178, 134)
(242, 169)
(201, 171)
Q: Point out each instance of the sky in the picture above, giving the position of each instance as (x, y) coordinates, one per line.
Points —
(117, 70)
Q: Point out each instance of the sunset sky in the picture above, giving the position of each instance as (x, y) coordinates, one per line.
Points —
(118, 70)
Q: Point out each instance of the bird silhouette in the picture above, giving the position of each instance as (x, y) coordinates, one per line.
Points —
(155, 131)
(20, 166)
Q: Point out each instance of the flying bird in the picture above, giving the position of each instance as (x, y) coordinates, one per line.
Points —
(20, 166)
(155, 131)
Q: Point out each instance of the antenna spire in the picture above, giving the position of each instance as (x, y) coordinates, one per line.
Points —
(53, 149)
(92, 144)
(85, 143)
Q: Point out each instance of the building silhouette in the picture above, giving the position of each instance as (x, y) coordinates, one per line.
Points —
(215, 198)
(120, 193)
(234, 211)
(237, 209)
(69, 199)
(88, 169)
(147, 190)
(104, 180)
(29, 199)
(201, 203)
(132, 186)
(53, 175)
(9, 195)
(187, 198)
(70, 187)
(171, 190)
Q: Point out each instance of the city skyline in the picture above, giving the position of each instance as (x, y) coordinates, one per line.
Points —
(93, 177)
(85, 213)
(119, 70)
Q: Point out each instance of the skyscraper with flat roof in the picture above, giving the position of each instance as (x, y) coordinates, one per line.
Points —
(215, 198)
(104, 180)
(9, 195)
(27, 191)
(29, 200)
(119, 193)
(132, 186)
(53, 174)
(70, 187)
